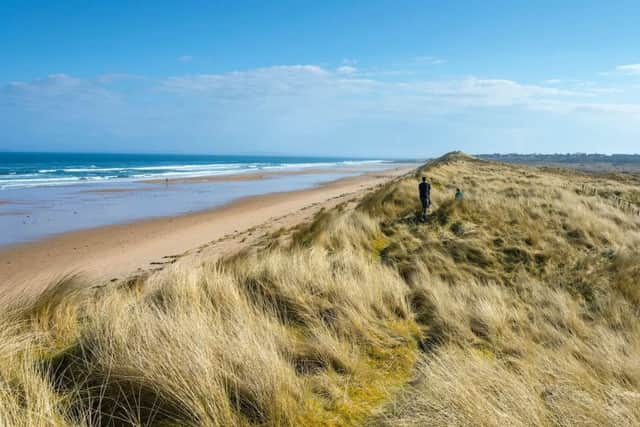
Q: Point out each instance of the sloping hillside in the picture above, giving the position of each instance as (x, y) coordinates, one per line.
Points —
(530, 292)
(518, 305)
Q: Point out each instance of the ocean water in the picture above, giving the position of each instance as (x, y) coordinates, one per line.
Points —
(25, 170)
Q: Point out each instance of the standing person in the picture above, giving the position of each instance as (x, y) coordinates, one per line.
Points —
(425, 196)
(459, 194)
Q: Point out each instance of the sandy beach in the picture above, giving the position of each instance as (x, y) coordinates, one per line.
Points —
(114, 252)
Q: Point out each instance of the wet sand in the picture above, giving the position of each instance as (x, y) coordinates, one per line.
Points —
(117, 251)
(256, 176)
(115, 190)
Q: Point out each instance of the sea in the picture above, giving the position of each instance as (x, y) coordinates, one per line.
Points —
(44, 194)
(24, 170)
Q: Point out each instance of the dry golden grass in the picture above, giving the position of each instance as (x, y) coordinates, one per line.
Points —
(285, 336)
(519, 305)
(529, 292)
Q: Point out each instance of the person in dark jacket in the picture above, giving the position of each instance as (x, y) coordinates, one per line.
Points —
(424, 189)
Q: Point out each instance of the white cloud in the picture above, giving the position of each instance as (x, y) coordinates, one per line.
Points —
(277, 80)
(58, 89)
(431, 60)
(489, 89)
(351, 91)
(295, 104)
(627, 70)
(346, 69)
(631, 69)
(344, 89)
(116, 77)
(185, 58)
(288, 98)
(575, 107)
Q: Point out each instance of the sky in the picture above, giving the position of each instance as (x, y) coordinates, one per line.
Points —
(360, 78)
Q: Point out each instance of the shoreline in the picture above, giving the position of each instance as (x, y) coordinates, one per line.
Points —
(114, 252)
(36, 213)
(262, 174)
(240, 177)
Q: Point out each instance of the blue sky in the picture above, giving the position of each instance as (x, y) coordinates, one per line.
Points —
(360, 78)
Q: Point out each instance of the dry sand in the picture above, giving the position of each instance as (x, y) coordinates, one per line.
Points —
(118, 251)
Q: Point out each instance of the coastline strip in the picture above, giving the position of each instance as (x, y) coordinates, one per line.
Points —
(118, 251)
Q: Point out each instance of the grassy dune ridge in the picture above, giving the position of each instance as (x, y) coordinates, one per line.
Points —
(532, 290)
(519, 305)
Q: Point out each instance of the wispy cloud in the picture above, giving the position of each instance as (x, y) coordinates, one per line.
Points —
(301, 101)
(623, 70)
(116, 77)
(345, 87)
(185, 58)
(633, 69)
(346, 69)
(430, 60)
(260, 82)
(313, 82)
(585, 87)
(58, 90)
